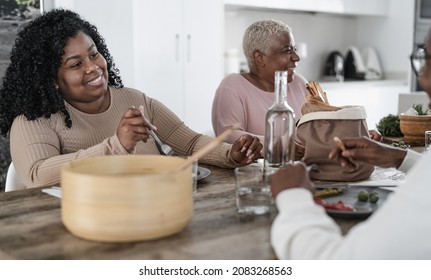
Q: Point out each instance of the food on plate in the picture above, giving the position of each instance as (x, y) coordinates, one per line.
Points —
(339, 205)
(400, 144)
(328, 192)
(363, 196)
(374, 197)
(371, 196)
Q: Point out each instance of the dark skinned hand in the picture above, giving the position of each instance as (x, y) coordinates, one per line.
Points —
(246, 149)
(133, 128)
(292, 175)
(369, 151)
(375, 135)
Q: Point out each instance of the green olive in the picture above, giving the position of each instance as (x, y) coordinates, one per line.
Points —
(374, 197)
(363, 196)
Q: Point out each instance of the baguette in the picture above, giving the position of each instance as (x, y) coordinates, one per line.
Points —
(317, 100)
(312, 89)
(343, 148)
(321, 92)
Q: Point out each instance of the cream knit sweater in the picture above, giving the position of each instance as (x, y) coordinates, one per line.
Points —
(40, 147)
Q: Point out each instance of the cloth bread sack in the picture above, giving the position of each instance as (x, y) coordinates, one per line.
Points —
(316, 131)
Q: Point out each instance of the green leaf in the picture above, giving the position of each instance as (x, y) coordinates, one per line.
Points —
(419, 109)
(390, 126)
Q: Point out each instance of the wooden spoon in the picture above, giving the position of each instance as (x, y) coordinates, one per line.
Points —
(206, 149)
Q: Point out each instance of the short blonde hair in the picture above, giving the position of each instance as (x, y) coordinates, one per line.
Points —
(260, 35)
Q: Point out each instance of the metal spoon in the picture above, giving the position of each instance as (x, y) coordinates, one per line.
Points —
(164, 149)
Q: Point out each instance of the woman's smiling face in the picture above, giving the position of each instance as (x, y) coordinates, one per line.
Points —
(82, 77)
(282, 56)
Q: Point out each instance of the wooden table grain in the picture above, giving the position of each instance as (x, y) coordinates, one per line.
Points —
(31, 228)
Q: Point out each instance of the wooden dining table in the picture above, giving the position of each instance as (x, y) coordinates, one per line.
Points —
(31, 227)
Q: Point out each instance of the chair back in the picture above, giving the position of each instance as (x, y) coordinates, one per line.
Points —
(13, 181)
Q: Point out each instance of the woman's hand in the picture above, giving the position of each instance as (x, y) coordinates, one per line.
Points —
(369, 151)
(299, 151)
(133, 128)
(246, 149)
(292, 175)
(375, 135)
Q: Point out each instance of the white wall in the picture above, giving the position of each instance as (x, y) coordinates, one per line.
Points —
(322, 34)
(115, 23)
(135, 32)
(391, 36)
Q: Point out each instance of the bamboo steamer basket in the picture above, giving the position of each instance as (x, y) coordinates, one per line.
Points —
(126, 198)
(414, 127)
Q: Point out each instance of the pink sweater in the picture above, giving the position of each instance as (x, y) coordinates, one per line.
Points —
(239, 101)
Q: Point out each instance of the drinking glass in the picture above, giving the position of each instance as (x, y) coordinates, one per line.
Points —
(195, 176)
(427, 140)
(253, 193)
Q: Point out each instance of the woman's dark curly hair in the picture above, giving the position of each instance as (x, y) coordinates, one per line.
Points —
(29, 82)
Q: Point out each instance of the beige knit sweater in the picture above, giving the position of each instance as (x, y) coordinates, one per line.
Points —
(40, 147)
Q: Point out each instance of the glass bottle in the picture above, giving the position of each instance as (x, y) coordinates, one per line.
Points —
(279, 145)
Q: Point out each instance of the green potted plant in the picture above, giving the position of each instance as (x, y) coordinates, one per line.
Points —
(389, 126)
(413, 125)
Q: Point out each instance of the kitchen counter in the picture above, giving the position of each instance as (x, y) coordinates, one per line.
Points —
(365, 83)
(379, 97)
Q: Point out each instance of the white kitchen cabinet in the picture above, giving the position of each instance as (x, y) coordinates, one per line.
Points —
(116, 29)
(366, 7)
(179, 55)
(345, 7)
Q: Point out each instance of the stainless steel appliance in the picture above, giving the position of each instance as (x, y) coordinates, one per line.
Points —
(422, 25)
(334, 67)
(373, 70)
(354, 67)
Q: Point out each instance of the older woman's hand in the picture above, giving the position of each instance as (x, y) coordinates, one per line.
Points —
(293, 175)
(246, 149)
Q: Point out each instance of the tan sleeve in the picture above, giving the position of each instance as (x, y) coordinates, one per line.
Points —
(220, 156)
(35, 150)
(183, 140)
(38, 152)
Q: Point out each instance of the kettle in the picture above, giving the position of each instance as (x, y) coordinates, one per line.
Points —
(334, 67)
(372, 64)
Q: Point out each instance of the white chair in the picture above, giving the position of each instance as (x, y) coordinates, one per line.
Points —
(13, 182)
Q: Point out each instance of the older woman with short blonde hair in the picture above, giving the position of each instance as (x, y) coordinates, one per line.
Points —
(244, 98)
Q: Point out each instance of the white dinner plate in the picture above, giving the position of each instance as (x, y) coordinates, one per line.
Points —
(203, 173)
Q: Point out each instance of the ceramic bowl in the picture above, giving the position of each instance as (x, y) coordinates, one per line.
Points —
(414, 127)
(126, 198)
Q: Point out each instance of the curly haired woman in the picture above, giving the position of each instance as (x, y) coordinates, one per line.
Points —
(62, 99)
